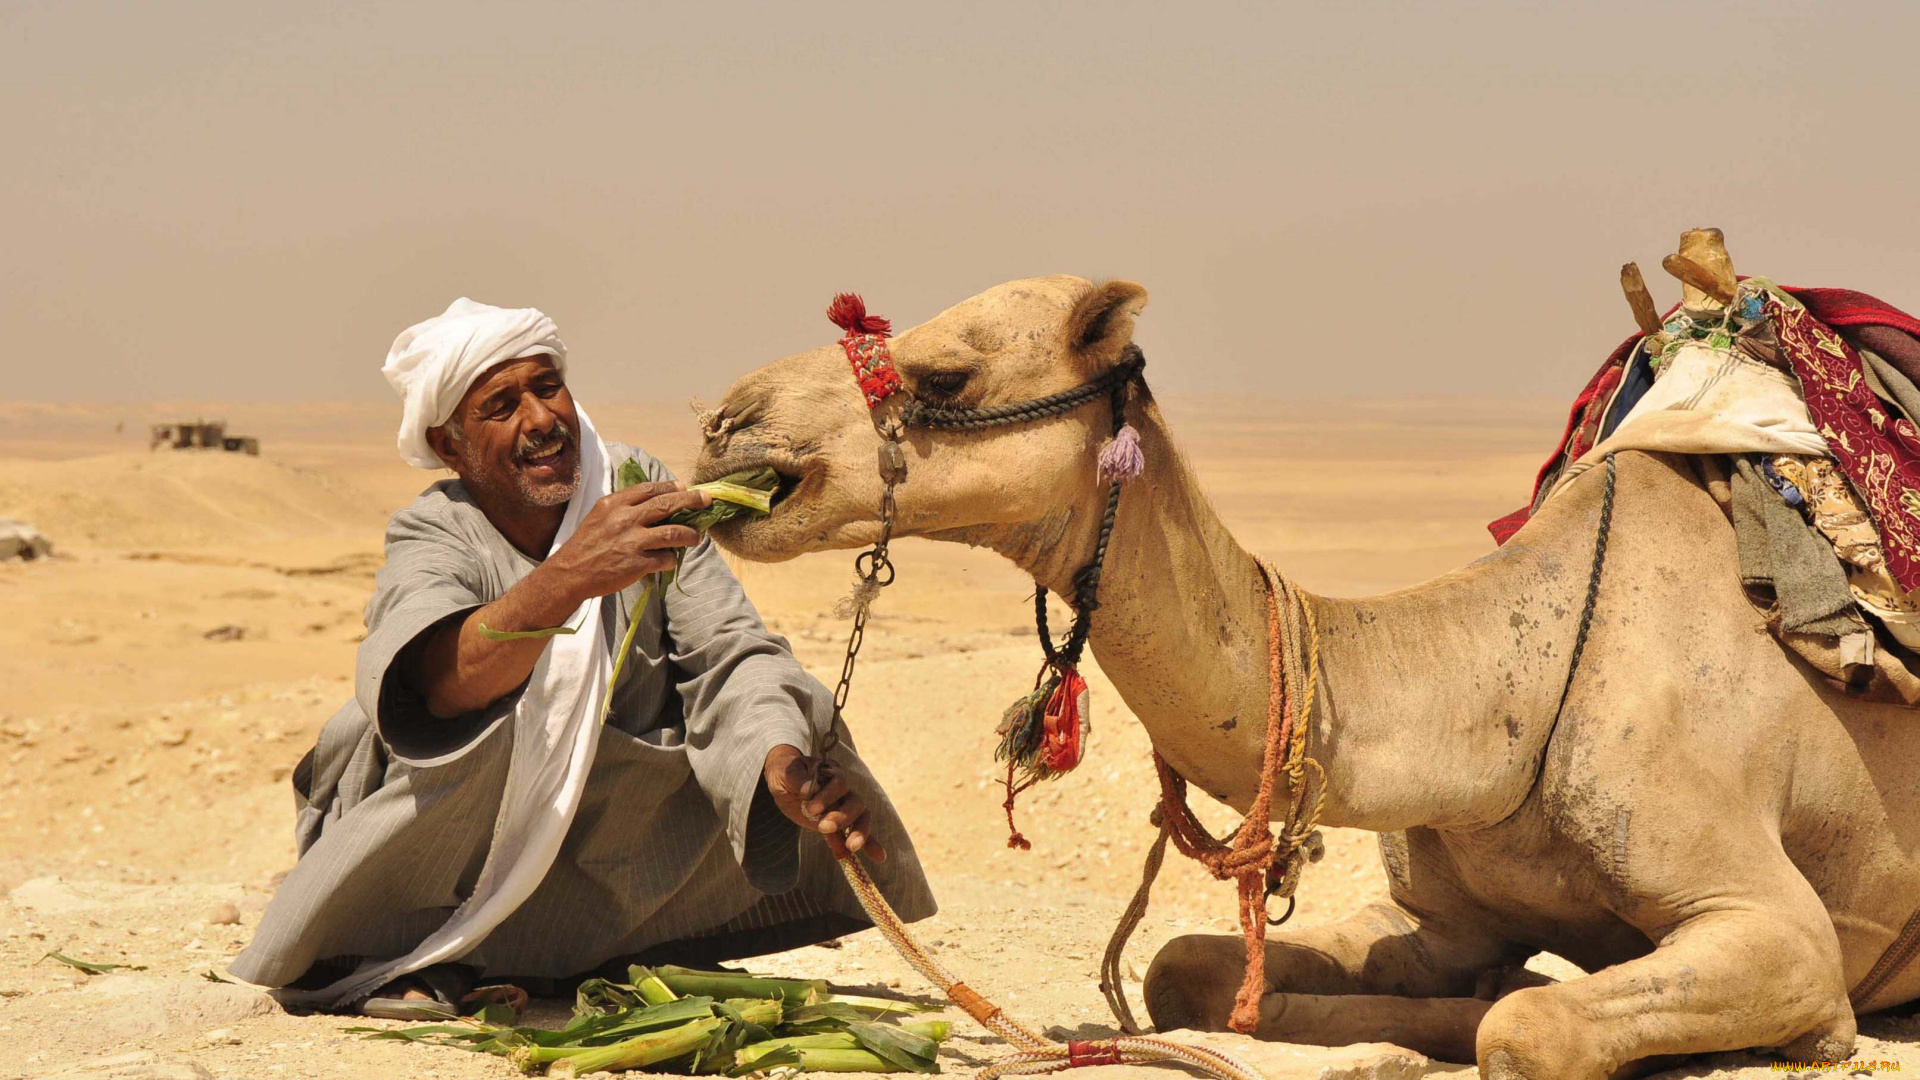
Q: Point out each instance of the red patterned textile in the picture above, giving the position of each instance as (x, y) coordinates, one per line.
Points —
(873, 365)
(1825, 308)
(1083, 1054)
(1879, 454)
(866, 346)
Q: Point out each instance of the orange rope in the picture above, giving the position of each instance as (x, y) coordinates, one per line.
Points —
(1248, 856)
(1033, 1053)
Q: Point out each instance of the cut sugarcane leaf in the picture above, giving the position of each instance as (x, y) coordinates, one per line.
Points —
(882, 1006)
(213, 976)
(849, 1061)
(496, 1015)
(436, 1033)
(524, 635)
(631, 472)
(628, 1022)
(604, 994)
(90, 967)
(838, 1012)
(915, 1053)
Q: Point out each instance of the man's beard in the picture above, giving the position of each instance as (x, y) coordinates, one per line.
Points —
(497, 479)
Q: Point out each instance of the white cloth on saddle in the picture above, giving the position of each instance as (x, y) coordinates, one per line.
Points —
(557, 731)
(432, 364)
(1712, 401)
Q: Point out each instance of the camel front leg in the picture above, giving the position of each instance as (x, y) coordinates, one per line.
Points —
(1724, 980)
(1378, 976)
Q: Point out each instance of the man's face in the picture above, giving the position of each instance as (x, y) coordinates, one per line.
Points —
(515, 434)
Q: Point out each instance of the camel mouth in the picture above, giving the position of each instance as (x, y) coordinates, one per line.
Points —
(792, 475)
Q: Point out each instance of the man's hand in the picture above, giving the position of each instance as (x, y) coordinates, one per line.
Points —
(836, 813)
(621, 541)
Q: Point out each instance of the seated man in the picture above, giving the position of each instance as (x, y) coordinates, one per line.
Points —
(694, 834)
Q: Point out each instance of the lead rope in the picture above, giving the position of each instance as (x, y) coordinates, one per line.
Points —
(1033, 1053)
(1249, 854)
(865, 345)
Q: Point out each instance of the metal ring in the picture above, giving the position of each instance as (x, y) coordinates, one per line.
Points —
(869, 565)
(1271, 921)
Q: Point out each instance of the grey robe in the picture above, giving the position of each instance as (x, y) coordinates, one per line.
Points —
(676, 849)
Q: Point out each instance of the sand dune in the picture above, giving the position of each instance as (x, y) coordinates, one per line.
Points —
(182, 500)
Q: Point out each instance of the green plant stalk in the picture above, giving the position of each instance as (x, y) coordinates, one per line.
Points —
(937, 1030)
(635, 1053)
(830, 1040)
(881, 1006)
(620, 660)
(845, 1061)
(724, 984)
(745, 495)
(523, 635)
(649, 987)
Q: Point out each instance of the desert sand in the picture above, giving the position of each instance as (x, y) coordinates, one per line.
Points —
(163, 674)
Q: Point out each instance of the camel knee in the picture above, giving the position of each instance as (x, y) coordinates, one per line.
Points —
(1533, 1035)
(1192, 981)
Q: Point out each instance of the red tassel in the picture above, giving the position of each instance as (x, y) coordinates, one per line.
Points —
(849, 313)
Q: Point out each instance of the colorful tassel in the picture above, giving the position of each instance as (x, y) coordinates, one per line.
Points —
(849, 313)
(1023, 728)
(1121, 459)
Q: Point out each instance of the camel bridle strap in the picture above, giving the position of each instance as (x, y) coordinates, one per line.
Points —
(872, 363)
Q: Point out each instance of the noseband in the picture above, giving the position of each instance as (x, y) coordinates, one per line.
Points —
(1043, 734)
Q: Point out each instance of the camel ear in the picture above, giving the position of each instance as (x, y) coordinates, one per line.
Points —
(1101, 325)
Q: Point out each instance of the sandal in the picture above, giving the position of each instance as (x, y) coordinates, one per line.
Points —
(448, 983)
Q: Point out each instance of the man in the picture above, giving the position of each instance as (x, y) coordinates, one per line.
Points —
(467, 814)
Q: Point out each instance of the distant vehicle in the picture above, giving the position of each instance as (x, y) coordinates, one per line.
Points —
(202, 435)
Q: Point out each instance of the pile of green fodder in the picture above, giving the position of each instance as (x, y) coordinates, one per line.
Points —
(676, 1020)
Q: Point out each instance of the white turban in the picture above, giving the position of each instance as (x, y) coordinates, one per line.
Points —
(433, 364)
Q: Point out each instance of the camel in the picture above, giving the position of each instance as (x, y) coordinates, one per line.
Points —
(1722, 841)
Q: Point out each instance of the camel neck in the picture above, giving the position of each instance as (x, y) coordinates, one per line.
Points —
(1422, 691)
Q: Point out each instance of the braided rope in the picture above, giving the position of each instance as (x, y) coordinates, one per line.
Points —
(1586, 613)
(1034, 1053)
(918, 414)
(1124, 1050)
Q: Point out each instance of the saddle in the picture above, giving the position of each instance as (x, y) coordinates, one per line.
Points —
(1802, 410)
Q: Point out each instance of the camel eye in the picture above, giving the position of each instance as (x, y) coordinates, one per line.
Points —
(944, 385)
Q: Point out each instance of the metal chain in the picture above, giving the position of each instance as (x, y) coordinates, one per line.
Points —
(875, 570)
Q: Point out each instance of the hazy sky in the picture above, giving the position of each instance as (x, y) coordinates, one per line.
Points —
(249, 200)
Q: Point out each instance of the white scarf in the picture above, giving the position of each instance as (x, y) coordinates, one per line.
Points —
(556, 730)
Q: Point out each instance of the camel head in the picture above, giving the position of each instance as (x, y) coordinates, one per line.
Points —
(806, 418)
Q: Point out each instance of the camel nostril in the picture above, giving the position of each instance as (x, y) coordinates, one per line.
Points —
(715, 424)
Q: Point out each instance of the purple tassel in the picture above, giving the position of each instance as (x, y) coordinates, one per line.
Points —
(1121, 459)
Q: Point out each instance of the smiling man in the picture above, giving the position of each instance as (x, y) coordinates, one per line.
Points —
(437, 843)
